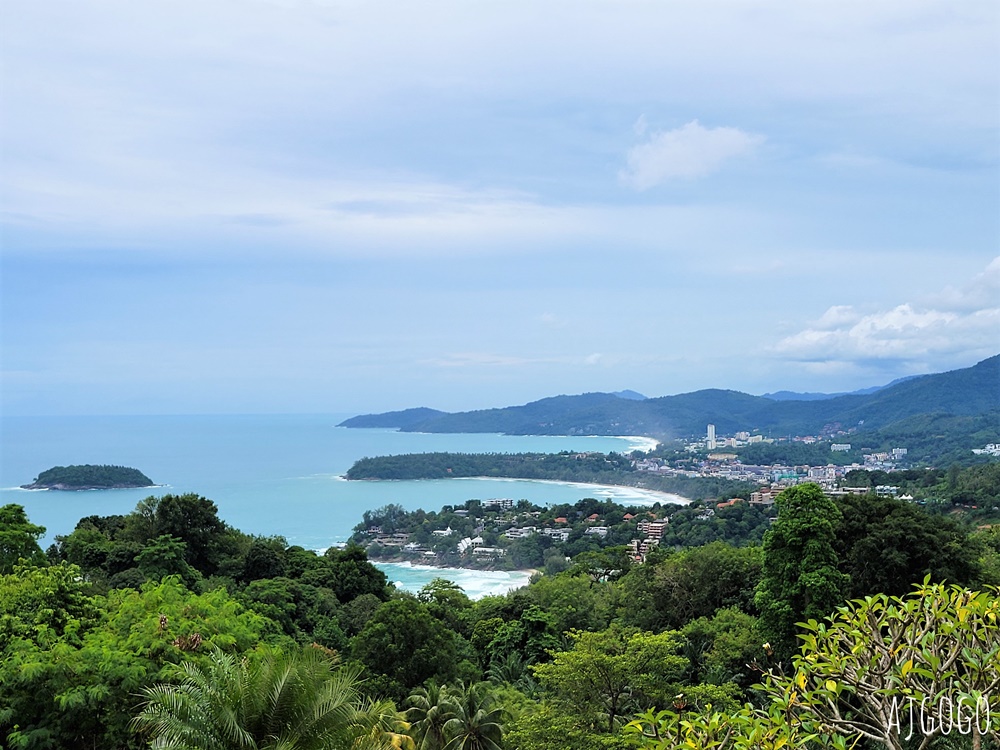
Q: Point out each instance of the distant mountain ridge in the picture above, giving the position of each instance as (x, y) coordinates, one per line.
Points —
(631, 395)
(795, 396)
(972, 391)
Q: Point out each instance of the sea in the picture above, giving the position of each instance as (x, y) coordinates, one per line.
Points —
(279, 475)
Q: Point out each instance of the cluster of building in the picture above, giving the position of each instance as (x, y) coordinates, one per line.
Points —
(728, 466)
(712, 442)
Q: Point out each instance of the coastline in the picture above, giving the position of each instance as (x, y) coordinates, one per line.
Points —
(642, 443)
(476, 583)
(622, 493)
(637, 495)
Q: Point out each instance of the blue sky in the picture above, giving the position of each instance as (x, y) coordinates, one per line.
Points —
(269, 206)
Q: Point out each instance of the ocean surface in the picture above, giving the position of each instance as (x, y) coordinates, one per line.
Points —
(275, 474)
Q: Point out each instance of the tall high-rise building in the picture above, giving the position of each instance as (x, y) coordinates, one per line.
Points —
(711, 437)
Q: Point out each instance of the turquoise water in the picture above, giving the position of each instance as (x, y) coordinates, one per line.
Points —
(268, 474)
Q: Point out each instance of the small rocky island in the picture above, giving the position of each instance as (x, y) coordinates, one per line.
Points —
(89, 477)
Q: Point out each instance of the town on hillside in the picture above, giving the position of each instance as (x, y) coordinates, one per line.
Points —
(504, 533)
(834, 477)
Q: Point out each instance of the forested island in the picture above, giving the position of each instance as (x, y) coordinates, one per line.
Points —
(747, 627)
(89, 477)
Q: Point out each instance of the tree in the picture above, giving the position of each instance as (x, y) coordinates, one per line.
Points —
(406, 645)
(430, 710)
(801, 580)
(477, 721)
(194, 520)
(306, 613)
(608, 564)
(887, 667)
(722, 646)
(70, 663)
(164, 556)
(886, 545)
(572, 601)
(988, 542)
(533, 636)
(529, 551)
(44, 604)
(550, 726)
(350, 575)
(689, 584)
(512, 671)
(18, 539)
(899, 672)
(606, 674)
(447, 602)
(749, 728)
(297, 699)
(265, 558)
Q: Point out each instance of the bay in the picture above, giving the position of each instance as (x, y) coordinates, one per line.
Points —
(268, 474)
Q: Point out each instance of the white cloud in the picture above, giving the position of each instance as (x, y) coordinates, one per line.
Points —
(982, 292)
(923, 335)
(687, 152)
(836, 317)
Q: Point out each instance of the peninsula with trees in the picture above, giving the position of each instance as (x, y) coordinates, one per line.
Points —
(89, 477)
(942, 417)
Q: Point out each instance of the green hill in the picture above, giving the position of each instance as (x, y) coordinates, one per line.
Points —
(394, 419)
(969, 392)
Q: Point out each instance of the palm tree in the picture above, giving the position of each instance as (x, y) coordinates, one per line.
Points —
(512, 670)
(430, 709)
(379, 726)
(299, 699)
(477, 723)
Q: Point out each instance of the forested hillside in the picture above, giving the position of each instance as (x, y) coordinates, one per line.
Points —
(168, 623)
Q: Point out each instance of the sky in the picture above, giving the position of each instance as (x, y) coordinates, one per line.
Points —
(306, 206)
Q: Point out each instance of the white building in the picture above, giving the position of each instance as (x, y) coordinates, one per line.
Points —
(504, 503)
(521, 533)
(468, 543)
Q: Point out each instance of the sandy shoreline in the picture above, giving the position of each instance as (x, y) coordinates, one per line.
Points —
(474, 582)
(623, 494)
(620, 493)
